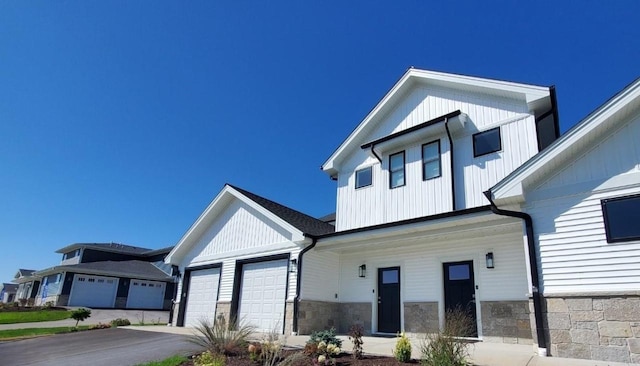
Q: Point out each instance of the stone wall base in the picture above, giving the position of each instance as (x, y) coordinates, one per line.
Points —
(121, 303)
(421, 317)
(506, 322)
(604, 328)
(223, 309)
(321, 315)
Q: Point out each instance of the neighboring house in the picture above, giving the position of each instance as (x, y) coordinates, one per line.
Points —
(583, 196)
(431, 190)
(28, 285)
(8, 293)
(107, 275)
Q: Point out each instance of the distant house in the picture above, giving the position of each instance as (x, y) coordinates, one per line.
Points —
(107, 275)
(8, 293)
(454, 192)
(28, 285)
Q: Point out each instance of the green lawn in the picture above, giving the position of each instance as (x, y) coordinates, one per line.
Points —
(13, 317)
(32, 332)
(171, 361)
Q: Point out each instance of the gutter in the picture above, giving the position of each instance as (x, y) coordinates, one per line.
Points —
(453, 181)
(533, 266)
(298, 282)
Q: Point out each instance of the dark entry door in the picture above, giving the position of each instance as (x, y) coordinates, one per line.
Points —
(389, 300)
(459, 291)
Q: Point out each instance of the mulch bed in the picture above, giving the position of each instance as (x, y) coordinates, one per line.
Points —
(344, 359)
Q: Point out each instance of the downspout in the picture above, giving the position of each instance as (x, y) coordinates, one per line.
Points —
(533, 265)
(175, 271)
(314, 240)
(375, 154)
(451, 164)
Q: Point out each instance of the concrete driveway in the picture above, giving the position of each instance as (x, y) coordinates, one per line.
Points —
(106, 347)
(101, 316)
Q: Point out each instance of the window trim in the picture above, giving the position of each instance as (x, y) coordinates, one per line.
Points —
(439, 158)
(404, 170)
(473, 139)
(370, 167)
(605, 216)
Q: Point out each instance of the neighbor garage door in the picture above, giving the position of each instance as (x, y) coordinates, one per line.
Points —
(202, 297)
(145, 294)
(262, 294)
(93, 291)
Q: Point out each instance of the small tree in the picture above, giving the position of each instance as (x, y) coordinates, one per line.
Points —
(355, 335)
(80, 315)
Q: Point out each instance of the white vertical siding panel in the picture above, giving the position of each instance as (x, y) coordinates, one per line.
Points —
(320, 271)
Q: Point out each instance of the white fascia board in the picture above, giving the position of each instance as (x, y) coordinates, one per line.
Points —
(529, 93)
(212, 211)
(512, 185)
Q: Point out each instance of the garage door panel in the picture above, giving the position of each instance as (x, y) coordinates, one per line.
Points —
(93, 291)
(202, 297)
(262, 294)
(146, 294)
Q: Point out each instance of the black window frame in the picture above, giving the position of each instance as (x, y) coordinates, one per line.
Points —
(404, 170)
(473, 138)
(607, 219)
(424, 171)
(370, 168)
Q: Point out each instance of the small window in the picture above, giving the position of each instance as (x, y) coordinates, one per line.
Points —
(390, 276)
(92, 280)
(396, 170)
(459, 272)
(487, 142)
(621, 218)
(363, 177)
(100, 281)
(431, 160)
(81, 279)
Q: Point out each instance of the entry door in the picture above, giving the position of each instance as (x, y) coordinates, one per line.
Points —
(459, 291)
(389, 300)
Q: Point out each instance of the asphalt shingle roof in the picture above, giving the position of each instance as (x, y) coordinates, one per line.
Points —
(135, 269)
(303, 222)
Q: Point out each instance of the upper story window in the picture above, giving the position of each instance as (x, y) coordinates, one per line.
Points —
(621, 218)
(363, 177)
(431, 160)
(487, 142)
(396, 170)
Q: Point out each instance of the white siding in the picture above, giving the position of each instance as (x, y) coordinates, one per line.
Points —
(379, 204)
(320, 271)
(567, 212)
(421, 268)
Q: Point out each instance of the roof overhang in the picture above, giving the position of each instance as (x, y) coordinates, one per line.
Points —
(436, 227)
(599, 123)
(101, 272)
(538, 100)
(217, 207)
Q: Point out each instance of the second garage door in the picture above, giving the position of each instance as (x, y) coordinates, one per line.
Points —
(263, 292)
(146, 295)
(203, 295)
(93, 291)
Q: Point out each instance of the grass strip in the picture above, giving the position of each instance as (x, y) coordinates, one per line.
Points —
(15, 317)
(10, 334)
(176, 360)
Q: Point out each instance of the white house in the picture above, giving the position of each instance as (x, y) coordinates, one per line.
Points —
(451, 193)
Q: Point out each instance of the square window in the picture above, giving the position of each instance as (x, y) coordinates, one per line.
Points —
(431, 160)
(396, 170)
(621, 218)
(487, 142)
(363, 177)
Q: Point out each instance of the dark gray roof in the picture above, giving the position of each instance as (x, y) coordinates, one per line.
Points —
(9, 287)
(305, 223)
(26, 272)
(110, 247)
(165, 250)
(133, 269)
(328, 218)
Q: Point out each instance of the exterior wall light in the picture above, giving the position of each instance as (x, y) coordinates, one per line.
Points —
(293, 265)
(489, 258)
(362, 271)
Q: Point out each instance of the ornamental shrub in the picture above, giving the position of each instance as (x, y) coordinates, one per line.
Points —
(326, 336)
(402, 352)
(209, 359)
(120, 322)
(355, 336)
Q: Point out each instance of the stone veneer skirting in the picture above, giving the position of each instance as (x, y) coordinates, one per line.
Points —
(597, 327)
(506, 322)
(421, 317)
(321, 315)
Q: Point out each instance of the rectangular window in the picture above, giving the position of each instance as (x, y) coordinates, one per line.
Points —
(487, 142)
(621, 218)
(396, 170)
(431, 160)
(363, 177)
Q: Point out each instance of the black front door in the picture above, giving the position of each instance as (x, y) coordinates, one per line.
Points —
(459, 291)
(389, 300)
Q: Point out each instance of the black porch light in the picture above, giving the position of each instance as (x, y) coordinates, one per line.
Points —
(362, 271)
(489, 258)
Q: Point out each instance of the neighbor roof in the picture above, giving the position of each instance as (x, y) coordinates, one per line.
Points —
(132, 269)
(115, 248)
(9, 287)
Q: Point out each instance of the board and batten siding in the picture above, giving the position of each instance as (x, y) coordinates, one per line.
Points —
(568, 220)
(421, 268)
(320, 276)
(379, 204)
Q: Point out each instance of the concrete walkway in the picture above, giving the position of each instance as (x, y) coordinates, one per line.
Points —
(493, 354)
(100, 316)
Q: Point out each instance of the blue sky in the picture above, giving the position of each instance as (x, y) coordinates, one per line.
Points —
(121, 121)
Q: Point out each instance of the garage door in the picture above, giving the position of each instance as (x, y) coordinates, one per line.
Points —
(145, 295)
(262, 294)
(202, 297)
(93, 291)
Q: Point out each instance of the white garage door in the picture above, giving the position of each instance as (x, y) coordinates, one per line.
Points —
(202, 297)
(93, 291)
(262, 294)
(145, 294)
